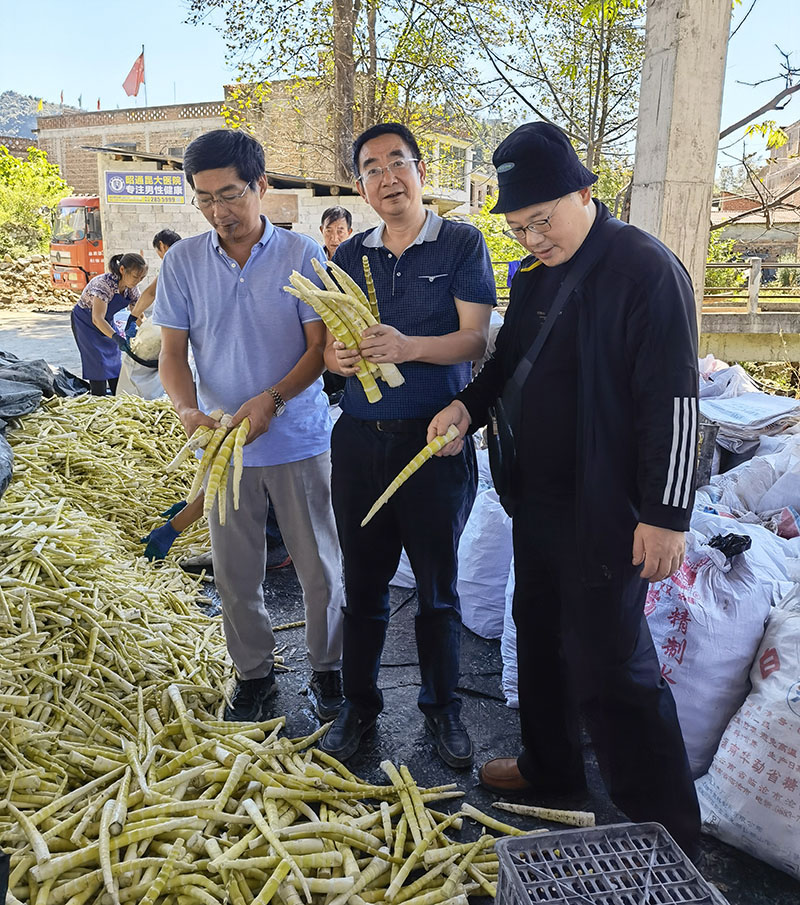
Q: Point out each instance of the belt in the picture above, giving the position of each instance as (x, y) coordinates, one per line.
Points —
(401, 426)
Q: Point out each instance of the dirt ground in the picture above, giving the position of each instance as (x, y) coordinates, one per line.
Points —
(40, 334)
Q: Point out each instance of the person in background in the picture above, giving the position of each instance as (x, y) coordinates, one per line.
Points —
(602, 490)
(98, 342)
(336, 226)
(180, 516)
(258, 352)
(135, 378)
(162, 242)
(435, 291)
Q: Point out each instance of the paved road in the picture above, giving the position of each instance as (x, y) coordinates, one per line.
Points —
(34, 334)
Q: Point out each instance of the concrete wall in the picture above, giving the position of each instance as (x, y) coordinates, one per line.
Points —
(678, 128)
(311, 208)
(750, 346)
(153, 129)
(131, 226)
(783, 239)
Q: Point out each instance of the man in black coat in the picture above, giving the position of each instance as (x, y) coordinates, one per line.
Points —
(602, 485)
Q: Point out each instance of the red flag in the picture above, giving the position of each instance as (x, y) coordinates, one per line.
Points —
(98, 103)
(135, 77)
(62, 96)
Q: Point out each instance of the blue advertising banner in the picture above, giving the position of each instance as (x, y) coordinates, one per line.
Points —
(145, 188)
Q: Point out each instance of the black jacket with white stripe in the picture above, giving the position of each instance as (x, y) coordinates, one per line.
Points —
(637, 393)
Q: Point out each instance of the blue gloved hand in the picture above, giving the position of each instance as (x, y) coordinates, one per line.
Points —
(124, 345)
(174, 509)
(158, 541)
(131, 327)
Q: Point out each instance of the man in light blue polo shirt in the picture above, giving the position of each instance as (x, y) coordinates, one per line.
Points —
(258, 353)
(435, 291)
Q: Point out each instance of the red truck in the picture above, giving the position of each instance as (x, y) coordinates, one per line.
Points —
(76, 249)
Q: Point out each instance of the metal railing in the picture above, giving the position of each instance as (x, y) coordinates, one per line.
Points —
(753, 295)
(748, 297)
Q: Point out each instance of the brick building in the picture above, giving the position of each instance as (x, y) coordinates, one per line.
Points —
(157, 130)
(776, 237)
(783, 166)
(288, 118)
(18, 147)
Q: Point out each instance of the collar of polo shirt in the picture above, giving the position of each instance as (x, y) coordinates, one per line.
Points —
(266, 234)
(428, 233)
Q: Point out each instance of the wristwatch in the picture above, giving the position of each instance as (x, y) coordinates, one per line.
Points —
(280, 405)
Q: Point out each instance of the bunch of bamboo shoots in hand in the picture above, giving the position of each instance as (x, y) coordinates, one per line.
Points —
(219, 446)
(347, 312)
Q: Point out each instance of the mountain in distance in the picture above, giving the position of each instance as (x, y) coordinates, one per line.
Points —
(18, 113)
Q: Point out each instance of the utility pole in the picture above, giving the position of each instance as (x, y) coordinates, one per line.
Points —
(680, 105)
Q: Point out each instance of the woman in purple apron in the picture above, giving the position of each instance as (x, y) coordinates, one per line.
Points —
(92, 319)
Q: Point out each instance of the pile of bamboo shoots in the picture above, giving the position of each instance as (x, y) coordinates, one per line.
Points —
(347, 312)
(118, 780)
(106, 456)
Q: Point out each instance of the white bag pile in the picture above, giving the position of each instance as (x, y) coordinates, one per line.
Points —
(707, 621)
(750, 796)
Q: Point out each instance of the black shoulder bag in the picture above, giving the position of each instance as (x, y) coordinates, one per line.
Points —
(504, 414)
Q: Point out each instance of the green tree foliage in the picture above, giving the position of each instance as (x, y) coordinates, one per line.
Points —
(721, 251)
(29, 189)
(577, 64)
(377, 60)
(501, 248)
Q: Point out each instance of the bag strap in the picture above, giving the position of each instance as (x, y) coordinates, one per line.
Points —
(512, 394)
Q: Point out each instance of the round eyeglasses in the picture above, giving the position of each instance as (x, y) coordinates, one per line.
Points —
(396, 167)
(535, 226)
(203, 204)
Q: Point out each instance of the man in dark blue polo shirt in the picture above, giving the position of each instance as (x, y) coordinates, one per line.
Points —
(435, 292)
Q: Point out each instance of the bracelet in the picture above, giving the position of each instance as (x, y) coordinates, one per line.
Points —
(280, 405)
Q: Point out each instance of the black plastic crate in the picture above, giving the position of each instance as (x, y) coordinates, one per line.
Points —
(621, 864)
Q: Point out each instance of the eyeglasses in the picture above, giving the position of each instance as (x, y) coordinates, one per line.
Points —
(535, 226)
(227, 199)
(396, 167)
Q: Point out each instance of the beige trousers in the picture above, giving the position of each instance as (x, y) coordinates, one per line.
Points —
(300, 493)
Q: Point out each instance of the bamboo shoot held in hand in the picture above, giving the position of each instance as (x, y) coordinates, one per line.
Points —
(420, 459)
(238, 457)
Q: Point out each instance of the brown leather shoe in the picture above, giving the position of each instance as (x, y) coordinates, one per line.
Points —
(502, 775)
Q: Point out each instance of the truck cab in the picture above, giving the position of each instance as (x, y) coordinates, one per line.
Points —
(76, 249)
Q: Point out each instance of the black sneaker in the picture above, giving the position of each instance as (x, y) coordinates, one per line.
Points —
(326, 690)
(249, 698)
(344, 736)
(452, 741)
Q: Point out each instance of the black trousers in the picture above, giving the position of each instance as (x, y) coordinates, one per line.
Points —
(99, 387)
(588, 649)
(426, 516)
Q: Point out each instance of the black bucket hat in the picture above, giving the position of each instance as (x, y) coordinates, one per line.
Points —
(536, 163)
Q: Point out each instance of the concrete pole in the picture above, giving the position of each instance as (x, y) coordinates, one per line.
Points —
(679, 118)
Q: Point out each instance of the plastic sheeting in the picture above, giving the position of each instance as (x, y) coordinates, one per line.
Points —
(6, 467)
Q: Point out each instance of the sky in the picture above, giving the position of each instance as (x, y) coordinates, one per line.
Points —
(48, 46)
